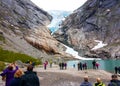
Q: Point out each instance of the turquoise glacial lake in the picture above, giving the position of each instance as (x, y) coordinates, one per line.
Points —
(107, 65)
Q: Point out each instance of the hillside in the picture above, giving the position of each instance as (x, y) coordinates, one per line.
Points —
(23, 29)
(95, 20)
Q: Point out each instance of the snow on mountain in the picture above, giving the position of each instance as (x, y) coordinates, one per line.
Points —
(75, 54)
(99, 45)
(58, 17)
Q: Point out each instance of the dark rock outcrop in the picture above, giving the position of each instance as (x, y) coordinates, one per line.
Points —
(23, 28)
(95, 20)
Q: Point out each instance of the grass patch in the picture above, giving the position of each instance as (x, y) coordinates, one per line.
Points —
(115, 44)
(9, 56)
(2, 65)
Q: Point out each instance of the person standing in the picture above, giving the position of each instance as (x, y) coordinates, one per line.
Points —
(116, 69)
(29, 78)
(45, 65)
(81, 66)
(51, 62)
(86, 82)
(97, 65)
(73, 65)
(65, 65)
(9, 73)
(93, 63)
(78, 65)
(99, 82)
(17, 77)
(60, 65)
(114, 81)
(85, 66)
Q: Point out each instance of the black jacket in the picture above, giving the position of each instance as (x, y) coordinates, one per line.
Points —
(30, 78)
(114, 83)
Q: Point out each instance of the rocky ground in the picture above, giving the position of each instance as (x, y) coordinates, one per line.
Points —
(70, 77)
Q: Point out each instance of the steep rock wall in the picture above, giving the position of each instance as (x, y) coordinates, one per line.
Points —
(95, 20)
(23, 29)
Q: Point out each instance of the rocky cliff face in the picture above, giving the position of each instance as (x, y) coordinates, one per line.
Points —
(23, 29)
(95, 20)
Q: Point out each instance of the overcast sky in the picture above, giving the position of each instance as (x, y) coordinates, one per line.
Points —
(67, 5)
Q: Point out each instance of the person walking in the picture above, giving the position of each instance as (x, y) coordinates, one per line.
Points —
(99, 82)
(114, 81)
(86, 82)
(8, 73)
(29, 78)
(17, 77)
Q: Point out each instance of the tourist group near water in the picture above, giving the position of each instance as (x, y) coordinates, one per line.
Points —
(14, 76)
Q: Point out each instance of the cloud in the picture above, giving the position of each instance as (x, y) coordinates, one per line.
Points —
(67, 5)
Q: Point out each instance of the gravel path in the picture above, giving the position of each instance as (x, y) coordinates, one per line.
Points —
(70, 77)
(2, 83)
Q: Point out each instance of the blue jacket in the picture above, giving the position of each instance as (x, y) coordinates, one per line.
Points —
(86, 84)
(114, 83)
(15, 82)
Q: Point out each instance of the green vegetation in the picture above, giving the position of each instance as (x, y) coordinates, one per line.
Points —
(115, 44)
(9, 56)
(2, 65)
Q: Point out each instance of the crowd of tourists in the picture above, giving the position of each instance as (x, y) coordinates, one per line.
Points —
(84, 66)
(14, 76)
(63, 65)
(113, 82)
